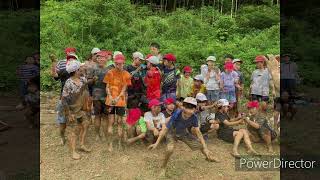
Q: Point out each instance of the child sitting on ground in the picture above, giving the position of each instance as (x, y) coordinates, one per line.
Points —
(258, 127)
(136, 124)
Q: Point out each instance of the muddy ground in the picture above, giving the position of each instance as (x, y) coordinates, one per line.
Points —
(135, 162)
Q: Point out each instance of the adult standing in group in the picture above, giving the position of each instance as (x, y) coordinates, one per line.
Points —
(170, 77)
(289, 74)
(59, 73)
(117, 80)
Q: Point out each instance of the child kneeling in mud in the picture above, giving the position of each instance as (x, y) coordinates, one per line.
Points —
(178, 129)
(258, 127)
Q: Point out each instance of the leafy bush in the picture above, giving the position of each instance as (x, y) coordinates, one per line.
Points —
(191, 35)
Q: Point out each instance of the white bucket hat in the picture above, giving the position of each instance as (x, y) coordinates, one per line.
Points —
(199, 77)
(223, 102)
(95, 50)
(153, 60)
(138, 55)
(201, 97)
(190, 100)
(73, 66)
(211, 58)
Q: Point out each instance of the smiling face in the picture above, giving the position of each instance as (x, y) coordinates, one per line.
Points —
(237, 66)
(136, 61)
(188, 109)
(253, 111)
(101, 61)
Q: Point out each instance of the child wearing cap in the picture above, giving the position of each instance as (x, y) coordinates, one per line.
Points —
(154, 118)
(198, 86)
(185, 83)
(258, 127)
(169, 104)
(74, 94)
(137, 70)
(226, 133)
(117, 80)
(261, 80)
(99, 94)
(178, 129)
(136, 124)
(153, 78)
(228, 84)
(204, 112)
(59, 73)
(170, 77)
(211, 75)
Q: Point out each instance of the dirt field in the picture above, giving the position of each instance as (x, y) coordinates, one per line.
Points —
(134, 162)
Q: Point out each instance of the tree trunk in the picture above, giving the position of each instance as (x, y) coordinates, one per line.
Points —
(221, 6)
(235, 11)
(232, 1)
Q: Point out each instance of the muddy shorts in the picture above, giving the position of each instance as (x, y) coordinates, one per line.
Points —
(120, 111)
(259, 98)
(189, 139)
(99, 107)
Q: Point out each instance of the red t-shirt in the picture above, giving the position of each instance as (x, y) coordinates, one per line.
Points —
(153, 83)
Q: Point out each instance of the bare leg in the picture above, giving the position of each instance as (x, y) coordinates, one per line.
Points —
(247, 141)
(104, 124)
(97, 125)
(62, 130)
(120, 131)
(267, 139)
(168, 153)
(85, 125)
(110, 131)
(238, 135)
(140, 136)
(275, 119)
(72, 139)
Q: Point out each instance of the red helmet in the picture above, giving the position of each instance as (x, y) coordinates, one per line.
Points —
(170, 57)
(260, 58)
(187, 69)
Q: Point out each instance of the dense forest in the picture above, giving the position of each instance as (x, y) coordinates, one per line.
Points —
(189, 29)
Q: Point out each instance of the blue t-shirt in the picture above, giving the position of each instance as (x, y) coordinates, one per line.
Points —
(181, 125)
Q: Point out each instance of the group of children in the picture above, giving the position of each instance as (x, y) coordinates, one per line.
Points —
(151, 100)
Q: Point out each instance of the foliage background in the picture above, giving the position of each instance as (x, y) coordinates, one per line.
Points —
(191, 34)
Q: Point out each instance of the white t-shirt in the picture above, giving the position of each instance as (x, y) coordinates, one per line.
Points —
(211, 83)
(260, 82)
(154, 121)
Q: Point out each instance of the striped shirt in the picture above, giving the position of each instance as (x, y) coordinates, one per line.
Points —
(27, 71)
(63, 75)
